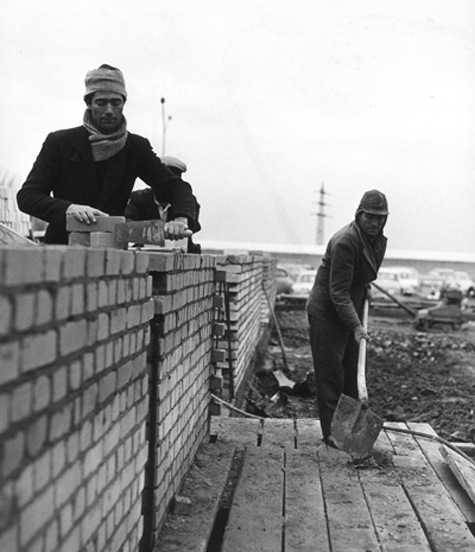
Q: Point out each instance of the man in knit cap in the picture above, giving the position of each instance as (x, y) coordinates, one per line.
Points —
(335, 305)
(90, 170)
(143, 205)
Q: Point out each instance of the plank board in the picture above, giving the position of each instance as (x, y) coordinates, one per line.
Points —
(204, 485)
(278, 433)
(463, 470)
(245, 431)
(305, 517)
(256, 515)
(309, 433)
(350, 523)
(431, 449)
(439, 516)
(10, 237)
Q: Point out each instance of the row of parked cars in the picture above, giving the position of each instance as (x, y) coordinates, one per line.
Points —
(397, 280)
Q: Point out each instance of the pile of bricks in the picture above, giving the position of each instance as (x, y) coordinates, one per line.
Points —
(74, 330)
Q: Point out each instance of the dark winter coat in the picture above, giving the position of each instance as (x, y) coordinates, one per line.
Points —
(66, 171)
(349, 264)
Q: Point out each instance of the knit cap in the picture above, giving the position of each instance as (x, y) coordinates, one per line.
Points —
(105, 79)
(174, 163)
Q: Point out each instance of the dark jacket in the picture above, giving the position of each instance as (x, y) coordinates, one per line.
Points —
(349, 264)
(66, 170)
(142, 206)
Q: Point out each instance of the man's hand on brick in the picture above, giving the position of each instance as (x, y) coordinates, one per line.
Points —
(84, 213)
(177, 229)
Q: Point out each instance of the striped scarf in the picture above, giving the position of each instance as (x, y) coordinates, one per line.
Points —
(105, 146)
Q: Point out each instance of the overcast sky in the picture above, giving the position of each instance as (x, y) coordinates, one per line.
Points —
(268, 99)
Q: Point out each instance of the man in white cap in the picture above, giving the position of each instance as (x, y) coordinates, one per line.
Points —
(143, 205)
(90, 170)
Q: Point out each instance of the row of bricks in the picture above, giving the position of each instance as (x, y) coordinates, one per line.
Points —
(34, 351)
(178, 262)
(44, 431)
(187, 320)
(165, 283)
(34, 265)
(32, 403)
(176, 364)
(39, 492)
(27, 310)
(73, 525)
(201, 299)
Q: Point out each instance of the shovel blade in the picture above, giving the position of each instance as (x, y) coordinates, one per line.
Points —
(355, 427)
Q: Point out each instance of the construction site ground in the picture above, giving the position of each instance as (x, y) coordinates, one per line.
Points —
(269, 484)
(412, 376)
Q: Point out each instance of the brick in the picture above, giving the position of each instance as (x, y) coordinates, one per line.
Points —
(58, 455)
(91, 296)
(36, 436)
(107, 386)
(90, 396)
(66, 486)
(75, 375)
(118, 320)
(127, 264)
(6, 317)
(74, 262)
(60, 422)
(104, 240)
(4, 412)
(62, 303)
(44, 307)
(95, 262)
(142, 260)
(66, 519)
(23, 266)
(52, 261)
(72, 336)
(93, 459)
(36, 516)
(60, 383)
(77, 298)
(103, 326)
(24, 487)
(112, 299)
(79, 238)
(38, 350)
(41, 393)
(102, 224)
(9, 361)
(85, 436)
(52, 536)
(72, 448)
(113, 262)
(13, 451)
(24, 309)
(21, 402)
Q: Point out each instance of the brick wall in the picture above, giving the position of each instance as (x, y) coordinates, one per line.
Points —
(74, 328)
(107, 358)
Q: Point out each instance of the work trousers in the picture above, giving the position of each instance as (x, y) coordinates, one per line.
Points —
(335, 361)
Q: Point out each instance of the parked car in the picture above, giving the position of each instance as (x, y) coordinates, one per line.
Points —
(443, 273)
(408, 278)
(283, 281)
(304, 283)
(431, 286)
(462, 281)
(389, 282)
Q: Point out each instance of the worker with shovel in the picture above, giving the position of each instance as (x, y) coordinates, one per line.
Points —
(336, 303)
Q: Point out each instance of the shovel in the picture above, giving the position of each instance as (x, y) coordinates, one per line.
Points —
(354, 426)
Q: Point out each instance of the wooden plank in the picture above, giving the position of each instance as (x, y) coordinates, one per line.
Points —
(350, 522)
(256, 515)
(443, 471)
(463, 470)
(396, 524)
(204, 486)
(309, 433)
(305, 518)
(439, 516)
(10, 237)
(245, 431)
(278, 433)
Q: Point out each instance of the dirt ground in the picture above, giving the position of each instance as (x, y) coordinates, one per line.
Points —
(412, 376)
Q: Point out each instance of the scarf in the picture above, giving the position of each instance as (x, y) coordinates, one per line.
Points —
(105, 146)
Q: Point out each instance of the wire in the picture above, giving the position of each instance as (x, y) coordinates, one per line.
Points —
(231, 407)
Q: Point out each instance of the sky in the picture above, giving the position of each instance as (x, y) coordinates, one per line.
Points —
(266, 101)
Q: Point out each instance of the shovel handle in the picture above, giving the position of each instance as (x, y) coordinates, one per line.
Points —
(361, 374)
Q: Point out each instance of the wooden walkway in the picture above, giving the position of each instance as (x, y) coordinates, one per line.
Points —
(272, 486)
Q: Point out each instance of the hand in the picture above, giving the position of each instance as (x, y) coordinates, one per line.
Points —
(84, 213)
(360, 333)
(177, 229)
